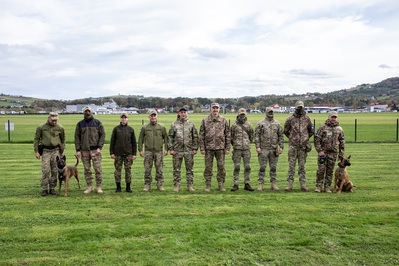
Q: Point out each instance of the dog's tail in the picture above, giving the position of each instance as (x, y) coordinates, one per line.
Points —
(77, 160)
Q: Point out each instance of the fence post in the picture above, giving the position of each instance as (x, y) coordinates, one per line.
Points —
(397, 129)
(355, 130)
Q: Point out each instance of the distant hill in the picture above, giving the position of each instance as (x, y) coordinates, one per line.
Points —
(384, 92)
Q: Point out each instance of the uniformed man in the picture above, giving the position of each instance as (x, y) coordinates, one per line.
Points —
(50, 137)
(242, 135)
(183, 145)
(298, 128)
(154, 138)
(269, 141)
(329, 143)
(215, 142)
(89, 141)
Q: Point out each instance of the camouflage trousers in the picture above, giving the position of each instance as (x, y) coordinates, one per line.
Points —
(87, 158)
(189, 164)
(49, 169)
(246, 158)
(126, 161)
(296, 154)
(156, 159)
(220, 160)
(264, 158)
(325, 171)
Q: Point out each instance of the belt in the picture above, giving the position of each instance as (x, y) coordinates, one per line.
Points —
(50, 147)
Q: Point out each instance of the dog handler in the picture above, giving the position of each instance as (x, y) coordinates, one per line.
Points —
(51, 138)
(329, 142)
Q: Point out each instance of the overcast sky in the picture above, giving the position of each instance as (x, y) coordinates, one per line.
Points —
(70, 49)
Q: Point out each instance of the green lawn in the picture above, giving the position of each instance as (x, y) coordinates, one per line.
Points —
(230, 228)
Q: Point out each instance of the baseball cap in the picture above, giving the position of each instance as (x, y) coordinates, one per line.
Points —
(333, 113)
(153, 112)
(53, 116)
(298, 104)
(87, 108)
(183, 108)
(215, 105)
(269, 109)
(242, 111)
(124, 115)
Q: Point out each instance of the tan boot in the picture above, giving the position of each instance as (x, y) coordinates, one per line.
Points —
(88, 190)
(176, 189)
(147, 188)
(99, 190)
(160, 188)
(304, 188)
(190, 188)
(208, 188)
(318, 189)
(221, 187)
(273, 186)
(260, 187)
(289, 187)
(327, 189)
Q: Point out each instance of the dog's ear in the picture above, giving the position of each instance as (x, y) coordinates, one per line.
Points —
(349, 157)
(63, 157)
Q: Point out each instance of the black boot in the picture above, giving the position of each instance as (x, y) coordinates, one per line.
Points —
(44, 192)
(234, 188)
(248, 187)
(128, 189)
(118, 187)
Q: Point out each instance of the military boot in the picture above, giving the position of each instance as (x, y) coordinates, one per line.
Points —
(327, 189)
(248, 187)
(128, 189)
(190, 188)
(147, 187)
(52, 191)
(289, 187)
(221, 187)
(118, 187)
(260, 187)
(44, 192)
(160, 187)
(318, 189)
(88, 190)
(177, 188)
(274, 187)
(99, 190)
(208, 188)
(234, 188)
(304, 188)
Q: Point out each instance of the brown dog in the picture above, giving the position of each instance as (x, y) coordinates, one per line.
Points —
(341, 180)
(66, 172)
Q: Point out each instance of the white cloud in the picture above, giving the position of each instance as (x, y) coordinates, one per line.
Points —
(195, 48)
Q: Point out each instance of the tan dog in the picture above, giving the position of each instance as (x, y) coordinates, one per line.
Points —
(66, 172)
(341, 180)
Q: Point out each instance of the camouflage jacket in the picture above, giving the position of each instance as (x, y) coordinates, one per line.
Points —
(242, 135)
(89, 135)
(214, 134)
(269, 134)
(153, 137)
(123, 141)
(49, 136)
(330, 137)
(183, 136)
(298, 129)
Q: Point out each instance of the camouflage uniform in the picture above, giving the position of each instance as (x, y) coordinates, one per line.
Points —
(298, 128)
(154, 138)
(242, 135)
(183, 139)
(123, 145)
(269, 138)
(90, 136)
(215, 140)
(330, 139)
(52, 137)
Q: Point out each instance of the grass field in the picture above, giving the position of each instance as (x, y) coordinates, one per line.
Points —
(230, 228)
